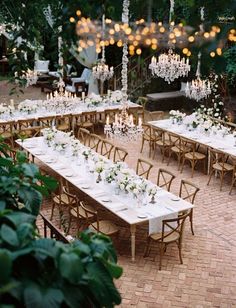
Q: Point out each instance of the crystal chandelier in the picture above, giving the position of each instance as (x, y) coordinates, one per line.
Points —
(124, 128)
(102, 71)
(198, 89)
(169, 65)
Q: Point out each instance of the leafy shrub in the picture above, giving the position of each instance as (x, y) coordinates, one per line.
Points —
(39, 272)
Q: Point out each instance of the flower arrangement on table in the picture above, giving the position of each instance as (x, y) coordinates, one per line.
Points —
(49, 135)
(177, 116)
(76, 146)
(28, 106)
(99, 168)
(94, 100)
(6, 109)
(116, 97)
(87, 153)
(152, 191)
(61, 141)
(191, 121)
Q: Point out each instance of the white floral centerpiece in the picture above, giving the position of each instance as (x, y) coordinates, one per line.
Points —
(207, 125)
(152, 191)
(116, 97)
(99, 168)
(28, 106)
(76, 146)
(94, 99)
(87, 153)
(191, 121)
(6, 109)
(177, 116)
(49, 135)
(61, 141)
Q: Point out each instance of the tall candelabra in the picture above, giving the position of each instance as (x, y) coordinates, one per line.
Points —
(123, 127)
(170, 66)
(31, 77)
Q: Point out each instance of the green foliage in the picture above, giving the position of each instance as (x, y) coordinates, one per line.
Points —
(38, 272)
(230, 56)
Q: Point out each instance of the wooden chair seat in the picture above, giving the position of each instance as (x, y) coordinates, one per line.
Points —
(179, 149)
(86, 125)
(195, 155)
(63, 126)
(219, 166)
(80, 213)
(174, 236)
(165, 143)
(63, 198)
(105, 226)
(6, 134)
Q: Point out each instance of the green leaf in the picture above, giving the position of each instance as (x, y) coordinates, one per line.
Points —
(30, 170)
(36, 296)
(9, 235)
(70, 267)
(18, 218)
(31, 198)
(5, 265)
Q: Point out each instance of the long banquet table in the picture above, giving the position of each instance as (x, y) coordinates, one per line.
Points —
(123, 206)
(224, 144)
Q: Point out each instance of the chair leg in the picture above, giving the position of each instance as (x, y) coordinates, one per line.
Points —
(191, 221)
(221, 180)
(182, 166)
(212, 171)
(52, 212)
(142, 146)
(147, 249)
(232, 184)
(180, 251)
(161, 254)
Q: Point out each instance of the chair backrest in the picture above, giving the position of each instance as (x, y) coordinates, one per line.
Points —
(28, 125)
(173, 225)
(86, 74)
(89, 116)
(143, 168)
(188, 191)
(147, 131)
(84, 136)
(46, 122)
(106, 148)
(7, 127)
(90, 212)
(41, 66)
(188, 145)
(165, 178)
(94, 142)
(218, 157)
(173, 139)
(119, 154)
(156, 115)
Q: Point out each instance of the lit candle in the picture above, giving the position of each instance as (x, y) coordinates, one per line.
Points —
(47, 96)
(83, 95)
(131, 120)
(108, 120)
(108, 93)
(12, 102)
(116, 119)
(139, 122)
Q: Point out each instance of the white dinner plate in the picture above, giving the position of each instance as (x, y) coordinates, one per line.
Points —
(142, 216)
(38, 153)
(104, 199)
(175, 199)
(85, 186)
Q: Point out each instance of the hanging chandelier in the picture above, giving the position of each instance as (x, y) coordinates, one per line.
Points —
(124, 128)
(101, 71)
(198, 89)
(169, 65)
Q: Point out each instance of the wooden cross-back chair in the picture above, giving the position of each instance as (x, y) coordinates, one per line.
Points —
(94, 142)
(233, 177)
(47, 122)
(143, 168)
(7, 132)
(120, 154)
(172, 232)
(188, 192)
(156, 115)
(88, 120)
(106, 148)
(148, 137)
(76, 212)
(192, 155)
(106, 227)
(219, 164)
(162, 142)
(165, 178)
(62, 199)
(84, 136)
(112, 114)
(176, 148)
(28, 128)
(64, 122)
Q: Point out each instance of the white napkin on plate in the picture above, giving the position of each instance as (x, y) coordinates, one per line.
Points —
(155, 224)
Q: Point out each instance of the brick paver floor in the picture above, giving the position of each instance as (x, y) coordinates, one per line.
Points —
(207, 277)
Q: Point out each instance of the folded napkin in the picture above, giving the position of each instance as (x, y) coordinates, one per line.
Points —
(155, 224)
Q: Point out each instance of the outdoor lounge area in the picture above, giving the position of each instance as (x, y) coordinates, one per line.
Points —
(118, 154)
